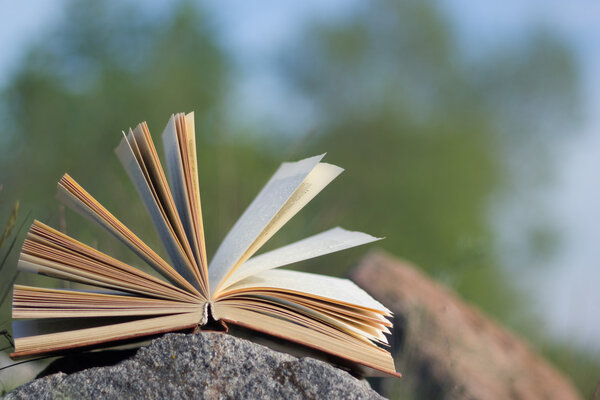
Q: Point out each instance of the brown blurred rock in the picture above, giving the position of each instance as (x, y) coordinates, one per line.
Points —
(448, 349)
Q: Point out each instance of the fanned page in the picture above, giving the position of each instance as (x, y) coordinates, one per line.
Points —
(338, 290)
(33, 302)
(49, 252)
(129, 311)
(326, 313)
(327, 242)
(138, 156)
(326, 321)
(291, 326)
(180, 152)
(52, 336)
(286, 193)
(75, 197)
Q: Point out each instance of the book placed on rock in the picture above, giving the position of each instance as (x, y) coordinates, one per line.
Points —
(237, 287)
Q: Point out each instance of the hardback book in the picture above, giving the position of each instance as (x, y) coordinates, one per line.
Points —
(236, 289)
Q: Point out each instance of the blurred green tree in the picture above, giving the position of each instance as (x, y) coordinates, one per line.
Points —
(431, 137)
(426, 132)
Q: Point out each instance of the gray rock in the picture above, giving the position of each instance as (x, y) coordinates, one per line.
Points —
(209, 365)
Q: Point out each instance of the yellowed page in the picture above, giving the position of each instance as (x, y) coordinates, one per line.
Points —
(29, 341)
(149, 180)
(302, 330)
(33, 302)
(50, 244)
(38, 265)
(191, 135)
(272, 301)
(317, 286)
(74, 196)
(178, 140)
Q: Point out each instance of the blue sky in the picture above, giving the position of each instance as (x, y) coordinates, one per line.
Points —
(565, 291)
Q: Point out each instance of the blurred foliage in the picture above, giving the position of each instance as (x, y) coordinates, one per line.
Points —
(428, 137)
(424, 133)
(582, 366)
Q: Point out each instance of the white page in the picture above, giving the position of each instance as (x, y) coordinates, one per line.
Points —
(336, 289)
(321, 175)
(317, 180)
(257, 216)
(330, 241)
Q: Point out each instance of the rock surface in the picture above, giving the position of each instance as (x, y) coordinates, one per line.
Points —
(447, 349)
(208, 365)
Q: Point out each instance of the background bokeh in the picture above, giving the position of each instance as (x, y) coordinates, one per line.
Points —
(458, 129)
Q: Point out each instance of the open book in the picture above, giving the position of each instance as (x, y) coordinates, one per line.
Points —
(237, 287)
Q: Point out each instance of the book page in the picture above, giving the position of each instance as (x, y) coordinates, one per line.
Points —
(297, 328)
(31, 337)
(327, 242)
(42, 266)
(357, 329)
(175, 171)
(313, 285)
(47, 247)
(259, 213)
(319, 177)
(197, 204)
(290, 189)
(191, 135)
(33, 302)
(158, 202)
(180, 153)
(75, 197)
